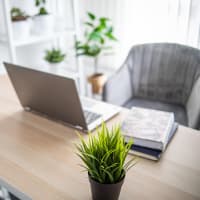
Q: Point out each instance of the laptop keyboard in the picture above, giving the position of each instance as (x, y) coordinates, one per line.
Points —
(87, 103)
(90, 116)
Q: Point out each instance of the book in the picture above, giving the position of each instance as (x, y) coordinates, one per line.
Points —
(149, 128)
(153, 154)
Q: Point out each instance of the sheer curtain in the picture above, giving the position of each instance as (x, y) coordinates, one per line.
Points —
(146, 21)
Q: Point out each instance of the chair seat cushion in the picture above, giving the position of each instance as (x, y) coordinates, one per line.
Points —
(178, 110)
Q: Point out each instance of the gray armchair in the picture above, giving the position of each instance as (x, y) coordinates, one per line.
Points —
(160, 76)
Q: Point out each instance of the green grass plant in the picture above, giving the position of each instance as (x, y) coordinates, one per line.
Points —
(104, 155)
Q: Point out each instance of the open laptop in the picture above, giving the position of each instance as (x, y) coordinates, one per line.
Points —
(56, 97)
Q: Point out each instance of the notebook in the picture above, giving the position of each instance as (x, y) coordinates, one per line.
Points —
(149, 128)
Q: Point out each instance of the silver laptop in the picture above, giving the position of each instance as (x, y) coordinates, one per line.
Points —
(57, 98)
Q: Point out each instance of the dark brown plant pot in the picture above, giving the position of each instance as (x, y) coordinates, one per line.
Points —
(105, 191)
(97, 81)
(19, 18)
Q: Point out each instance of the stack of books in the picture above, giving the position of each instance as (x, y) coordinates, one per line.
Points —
(151, 130)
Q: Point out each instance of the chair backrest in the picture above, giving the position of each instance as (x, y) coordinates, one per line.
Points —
(163, 71)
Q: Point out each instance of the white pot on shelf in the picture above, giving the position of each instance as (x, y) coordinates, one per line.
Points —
(21, 29)
(43, 24)
(54, 67)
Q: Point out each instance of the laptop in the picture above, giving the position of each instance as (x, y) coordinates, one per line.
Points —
(8, 192)
(56, 97)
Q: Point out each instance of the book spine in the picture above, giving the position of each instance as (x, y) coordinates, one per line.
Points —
(148, 143)
(136, 153)
(168, 130)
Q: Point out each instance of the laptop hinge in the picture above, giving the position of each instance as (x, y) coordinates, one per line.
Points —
(27, 108)
(79, 127)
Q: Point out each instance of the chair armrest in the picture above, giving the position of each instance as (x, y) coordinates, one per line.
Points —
(118, 89)
(193, 106)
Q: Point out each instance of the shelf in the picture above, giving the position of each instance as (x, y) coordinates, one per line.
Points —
(34, 39)
(42, 38)
(3, 39)
(68, 74)
(58, 69)
(8, 39)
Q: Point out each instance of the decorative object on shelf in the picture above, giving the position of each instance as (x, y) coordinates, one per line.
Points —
(54, 57)
(104, 159)
(43, 21)
(98, 33)
(20, 23)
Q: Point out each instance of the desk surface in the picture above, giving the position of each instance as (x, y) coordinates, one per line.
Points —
(37, 156)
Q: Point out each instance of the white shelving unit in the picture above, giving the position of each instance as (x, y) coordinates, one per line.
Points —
(33, 39)
(12, 44)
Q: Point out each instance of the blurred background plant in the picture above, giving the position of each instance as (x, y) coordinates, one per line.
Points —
(54, 55)
(42, 9)
(17, 14)
(98, 32)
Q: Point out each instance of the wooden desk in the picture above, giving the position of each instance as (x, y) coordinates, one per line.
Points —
(37, 156)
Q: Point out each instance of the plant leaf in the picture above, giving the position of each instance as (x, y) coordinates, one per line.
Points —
(91, 16)
(89, 24)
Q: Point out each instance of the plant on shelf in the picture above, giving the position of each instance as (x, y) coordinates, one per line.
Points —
(98, 33)
(104, 158)
(42, 9)
(18, 15)
(20, 23)
(54, 56)
(43, 20)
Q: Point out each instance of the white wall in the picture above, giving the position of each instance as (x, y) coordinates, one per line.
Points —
(150, 21)
(134, 21)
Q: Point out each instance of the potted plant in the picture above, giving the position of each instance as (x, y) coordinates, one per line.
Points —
(20, 23)
(43, 21)
(98, 33)
(104, 158)
(54, 57)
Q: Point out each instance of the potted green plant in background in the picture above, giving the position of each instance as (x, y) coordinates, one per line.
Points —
(43, 21)
(98, 33)
(20, 23)
(104, 158)
(54, 57)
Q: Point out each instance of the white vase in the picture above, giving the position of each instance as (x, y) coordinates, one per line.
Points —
(54, 67)
(43, 24)
(21, 29)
